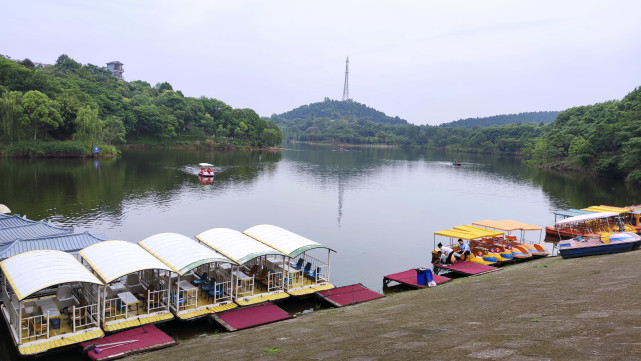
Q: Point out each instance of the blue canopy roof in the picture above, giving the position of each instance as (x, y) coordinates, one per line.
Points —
(35, 230)
(67, 243)
(14, 221)
(570, 212)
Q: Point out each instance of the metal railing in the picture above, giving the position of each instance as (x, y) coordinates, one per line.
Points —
(294, 279)
(189, 297)
(314, 267)
(35, 326)
(114, 308)
(156, 300)
(275, 281)
(222, 290)
(82, 316)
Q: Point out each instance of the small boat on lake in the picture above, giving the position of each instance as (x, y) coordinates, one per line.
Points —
(456, 163)
(595, 244)
(205, 170)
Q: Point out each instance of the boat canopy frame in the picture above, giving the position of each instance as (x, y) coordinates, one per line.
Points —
(510, 226)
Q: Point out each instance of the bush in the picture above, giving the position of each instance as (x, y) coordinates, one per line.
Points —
(47, 149)
(634, 176)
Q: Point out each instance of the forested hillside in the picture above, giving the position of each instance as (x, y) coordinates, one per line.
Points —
(336, 109)
(604, 137)
(85, 105)
(354, 123)
(503, 119)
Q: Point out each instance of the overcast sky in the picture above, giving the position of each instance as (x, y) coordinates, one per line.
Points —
(424, 61)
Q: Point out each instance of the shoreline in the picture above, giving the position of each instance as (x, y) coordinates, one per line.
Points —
(547, 309)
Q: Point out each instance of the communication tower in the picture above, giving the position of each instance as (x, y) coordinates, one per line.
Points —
(346, 86)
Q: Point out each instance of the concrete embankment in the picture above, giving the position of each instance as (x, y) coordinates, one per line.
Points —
(548, 309)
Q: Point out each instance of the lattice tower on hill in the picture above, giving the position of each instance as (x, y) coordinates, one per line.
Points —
(346, 86)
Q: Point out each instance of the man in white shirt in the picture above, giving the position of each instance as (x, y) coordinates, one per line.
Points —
(450, 255)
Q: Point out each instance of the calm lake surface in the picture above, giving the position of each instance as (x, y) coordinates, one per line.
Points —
(378, 208)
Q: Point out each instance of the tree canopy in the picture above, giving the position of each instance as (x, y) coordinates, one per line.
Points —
(333, 109)
(503, 119)
(86, 103)
(604, 137)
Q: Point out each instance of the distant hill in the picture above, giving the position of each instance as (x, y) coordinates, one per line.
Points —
(497, 120)
(336, 109)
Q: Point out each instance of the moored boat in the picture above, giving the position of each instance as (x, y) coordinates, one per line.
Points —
(479, 252)
(621, 216)
(519, 247)
(599, 244)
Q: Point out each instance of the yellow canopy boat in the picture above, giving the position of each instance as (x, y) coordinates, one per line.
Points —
(471, 233)
(534, 249)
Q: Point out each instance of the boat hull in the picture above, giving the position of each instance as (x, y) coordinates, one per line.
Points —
(620, 242)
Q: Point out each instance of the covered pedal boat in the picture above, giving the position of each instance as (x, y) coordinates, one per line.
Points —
(474, 235)
(519, 242)
(203, 288)
(51, 301)
(307, 274)
(256, 275)
(137, 284)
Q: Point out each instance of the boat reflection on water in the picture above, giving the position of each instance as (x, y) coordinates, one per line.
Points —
(206, 180)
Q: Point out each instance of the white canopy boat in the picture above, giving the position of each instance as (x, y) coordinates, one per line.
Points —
(206, 170)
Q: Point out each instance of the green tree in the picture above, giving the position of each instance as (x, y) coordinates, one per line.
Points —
(89, 127)
(40, 112)
(11, 113)
(114, 130)
(580, 151)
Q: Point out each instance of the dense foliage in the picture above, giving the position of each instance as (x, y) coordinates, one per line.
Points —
(86, 104)
(359, 128)
(503, 119)
(605, 137)
(333, 109)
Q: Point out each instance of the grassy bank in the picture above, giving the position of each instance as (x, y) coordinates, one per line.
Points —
(548, 309)
(55, 149)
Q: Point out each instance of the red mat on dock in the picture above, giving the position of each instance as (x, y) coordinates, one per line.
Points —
(468, 268)
(251, 316)
(409, 278)
(147, 337)
(349, 295)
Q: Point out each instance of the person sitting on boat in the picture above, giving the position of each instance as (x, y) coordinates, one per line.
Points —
(209, 170)
(450, 255)
(465, 249)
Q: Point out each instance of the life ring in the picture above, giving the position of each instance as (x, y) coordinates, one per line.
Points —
(508, 247)
(480, 254)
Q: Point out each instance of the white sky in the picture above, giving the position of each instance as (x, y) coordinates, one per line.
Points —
(424, 61)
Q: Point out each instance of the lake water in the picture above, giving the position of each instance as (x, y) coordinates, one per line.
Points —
(378, 208)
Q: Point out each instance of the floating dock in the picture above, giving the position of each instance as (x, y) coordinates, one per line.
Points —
(467, 268)
(251, 316)
(141, 339)
(349, 295)
(409, 278)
